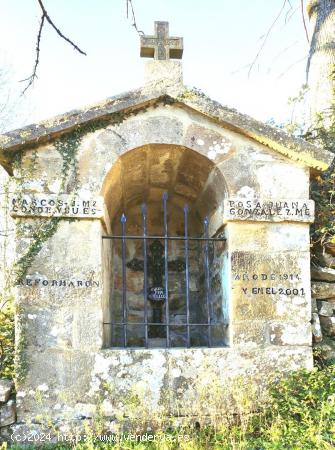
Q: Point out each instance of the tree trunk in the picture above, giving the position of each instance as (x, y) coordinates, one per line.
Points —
(321, 60)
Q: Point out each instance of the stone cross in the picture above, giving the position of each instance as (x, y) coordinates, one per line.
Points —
(161, 46)
(156, 269)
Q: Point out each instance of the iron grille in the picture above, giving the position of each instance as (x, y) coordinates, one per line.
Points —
(158, 294)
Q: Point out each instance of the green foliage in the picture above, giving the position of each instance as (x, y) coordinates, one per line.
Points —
(322, 191)
(323, 186)
(20, 356)
(68, 146)
(39, 235)
(6, 338)
(299, 415)
(302, 411)
(322, 133)
(6, 301)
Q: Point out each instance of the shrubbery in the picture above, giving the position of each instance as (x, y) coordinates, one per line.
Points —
(299, 415)
(6, 339)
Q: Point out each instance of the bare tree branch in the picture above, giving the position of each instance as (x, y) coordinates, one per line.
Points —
(45, 16)
(130, 3)
(303, 19)
(265, 38)
(291, 14)
(289, 10)
(290, 67)
(281, 53)
(37, 60)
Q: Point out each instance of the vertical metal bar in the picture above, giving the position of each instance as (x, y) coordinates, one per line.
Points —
(145, 269)
(187, 275)
(166, 269)
(207, 283)
(124, 285)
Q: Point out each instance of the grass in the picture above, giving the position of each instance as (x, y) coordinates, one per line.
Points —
(299, 415)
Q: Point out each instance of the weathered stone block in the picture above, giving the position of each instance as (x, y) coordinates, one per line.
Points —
(272, 286)
(55, 377)
(164, 71)
(45, 328)
(87, 331)
(326, 308)
(314, 306)
(212, 142)
(254, 237)
(157, 127)
(328, 325)
(322, 273)
(186, 379)
(327, 348)
(316, 328)
(91, 169)
(134, 282)
(249, 333)
(57, 261)
(6, 387)
(290, 333)
(322, 290)
(53, 205)
(8, 414)
(276, 210)
(327, 260)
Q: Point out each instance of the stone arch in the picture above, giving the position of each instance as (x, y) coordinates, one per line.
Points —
(142, 175)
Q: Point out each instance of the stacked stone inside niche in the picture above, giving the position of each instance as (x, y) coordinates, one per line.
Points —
(188, 179)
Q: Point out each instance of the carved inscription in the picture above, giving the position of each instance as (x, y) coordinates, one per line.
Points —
(269, 210)
(279, 283)
(255, 276)
(52, 205)
(59, 283)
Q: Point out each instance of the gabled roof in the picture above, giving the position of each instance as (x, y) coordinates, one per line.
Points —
(117, 108)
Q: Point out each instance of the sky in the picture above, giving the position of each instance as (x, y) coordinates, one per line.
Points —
(221, 39)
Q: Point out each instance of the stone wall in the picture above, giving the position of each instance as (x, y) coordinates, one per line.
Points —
(64, 294)
(7, 236)
(7, 407)
(323, 308)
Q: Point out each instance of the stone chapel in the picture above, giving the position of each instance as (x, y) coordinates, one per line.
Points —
(160, 238)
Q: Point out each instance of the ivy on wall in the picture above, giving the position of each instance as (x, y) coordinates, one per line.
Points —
(32, 234)
(321, 133)
(323, 186)
(6, 296)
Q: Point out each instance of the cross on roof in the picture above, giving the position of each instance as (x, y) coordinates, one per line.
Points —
(161, 46)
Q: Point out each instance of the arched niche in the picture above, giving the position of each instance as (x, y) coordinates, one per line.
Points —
(142, 176)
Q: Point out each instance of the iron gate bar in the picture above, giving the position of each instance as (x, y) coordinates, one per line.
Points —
(124, 324)
(145, 270)
(207, 283)
(203, 324)
(124, 285)
(169, 238)
(187, 276)
(166, 267)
